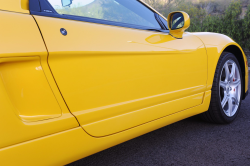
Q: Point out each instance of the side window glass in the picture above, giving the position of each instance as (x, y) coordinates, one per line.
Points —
(123, 11)
(164, 22)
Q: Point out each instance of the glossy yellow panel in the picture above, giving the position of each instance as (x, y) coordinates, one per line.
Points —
(137, 117)
(105, 71)
(20, 6)
(89, 116)
(72, 145)
(214, 51)
(28, 88)
(20, 37)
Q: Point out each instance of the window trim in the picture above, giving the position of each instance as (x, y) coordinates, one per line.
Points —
(41, 8)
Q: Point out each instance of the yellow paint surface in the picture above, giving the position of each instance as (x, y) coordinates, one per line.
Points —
(72, 145)
(20, 6)
(118, 82)
(106, 72)
(24, 116)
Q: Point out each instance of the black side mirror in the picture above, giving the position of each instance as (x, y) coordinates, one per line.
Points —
(66, 3)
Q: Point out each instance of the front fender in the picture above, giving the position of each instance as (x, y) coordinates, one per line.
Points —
(216, 44)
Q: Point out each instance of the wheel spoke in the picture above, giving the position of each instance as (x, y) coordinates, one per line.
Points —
(232, 74)
(227, 72)
(223, 84)
(235, 84)
(224, 101)
(230, 106)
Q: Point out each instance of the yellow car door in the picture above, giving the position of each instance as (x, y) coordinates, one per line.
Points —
(116, 65)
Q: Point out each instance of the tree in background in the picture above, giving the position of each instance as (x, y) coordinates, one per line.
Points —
(164, 6)
(229, 17)
(219, 16)
(246, 29)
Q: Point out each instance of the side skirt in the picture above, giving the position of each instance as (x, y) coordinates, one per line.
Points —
(71, 145)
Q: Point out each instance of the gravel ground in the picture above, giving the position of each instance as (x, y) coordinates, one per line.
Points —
(188, 142)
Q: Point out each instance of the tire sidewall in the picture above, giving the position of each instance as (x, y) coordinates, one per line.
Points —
(225, 58)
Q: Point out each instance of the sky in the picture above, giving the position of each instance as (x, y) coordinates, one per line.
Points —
(82, 2)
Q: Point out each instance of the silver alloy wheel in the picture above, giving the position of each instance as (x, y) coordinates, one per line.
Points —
(230, 88)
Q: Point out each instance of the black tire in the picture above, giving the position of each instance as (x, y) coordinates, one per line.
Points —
(215, 113)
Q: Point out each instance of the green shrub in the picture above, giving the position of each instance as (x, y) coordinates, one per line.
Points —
(228, 23)
(246, 30)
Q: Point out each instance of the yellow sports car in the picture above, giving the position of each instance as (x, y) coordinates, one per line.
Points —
(80, 76)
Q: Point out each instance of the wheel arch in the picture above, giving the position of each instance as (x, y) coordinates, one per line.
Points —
(215, 45)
